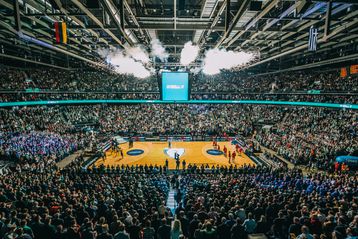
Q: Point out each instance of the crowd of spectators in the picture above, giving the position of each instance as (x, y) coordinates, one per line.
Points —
(77, 204)
(39, 136)
(37, 146)
(313, 136)
(22, 96)
(328, 98)
(39, 201)
(275, 203)
(37, 84)
(141, 119)
(285, 82)
(51, 79)
(308, 136)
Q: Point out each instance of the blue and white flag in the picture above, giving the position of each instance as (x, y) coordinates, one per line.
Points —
(312, 40)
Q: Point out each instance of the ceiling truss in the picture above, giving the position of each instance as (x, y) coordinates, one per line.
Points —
(277, 28)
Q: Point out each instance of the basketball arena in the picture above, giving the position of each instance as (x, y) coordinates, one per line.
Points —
(178, 119)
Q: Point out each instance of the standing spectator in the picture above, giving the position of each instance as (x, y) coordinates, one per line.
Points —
(49, 230)
(184, 222)
(176, 230)
(262, 225)
(295, 228)
(38, 227)
(121, 234)
(230, 222)
(21, 235)
(279, 227)
(105, 233)
(238, 231)
(223, 230)
(148, 231)
(193, 225)
(164, 231)
(184, 164)
(26, 228)
(209, 232)
(134, 229)
(250, 224)
(305, 234)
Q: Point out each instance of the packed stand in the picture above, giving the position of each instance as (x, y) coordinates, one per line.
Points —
(308, 136)
(337, 99)
(78, 204)
(313, 136)
(22, 96)
(14, 97)
(279, 83)
(39, 136)
(279, 204)
(142, 119)
(59, 80)
(50, 84)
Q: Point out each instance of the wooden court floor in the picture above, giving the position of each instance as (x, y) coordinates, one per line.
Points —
(156, 153)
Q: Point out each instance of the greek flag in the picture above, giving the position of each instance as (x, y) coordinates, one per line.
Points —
(312, 41)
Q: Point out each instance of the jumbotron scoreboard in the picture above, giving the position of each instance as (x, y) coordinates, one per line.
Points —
(175, 86)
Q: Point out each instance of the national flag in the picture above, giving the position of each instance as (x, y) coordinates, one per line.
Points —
(312, 40)
(61, 32)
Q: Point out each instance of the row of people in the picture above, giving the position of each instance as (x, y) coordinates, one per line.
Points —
(13, 97)
(52, 79)
(292, 82)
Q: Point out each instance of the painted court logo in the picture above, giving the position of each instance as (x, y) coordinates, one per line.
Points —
(172, 151)
(135, 152)
(214, 152)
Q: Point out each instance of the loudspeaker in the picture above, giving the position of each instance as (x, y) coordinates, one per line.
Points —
(255, 6)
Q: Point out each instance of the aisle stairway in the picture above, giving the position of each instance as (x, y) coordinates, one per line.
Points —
(69, 159)
(171, 204)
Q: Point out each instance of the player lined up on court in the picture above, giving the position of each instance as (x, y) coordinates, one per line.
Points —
(227, 153)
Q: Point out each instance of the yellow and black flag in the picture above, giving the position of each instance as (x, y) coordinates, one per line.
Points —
(61, 32)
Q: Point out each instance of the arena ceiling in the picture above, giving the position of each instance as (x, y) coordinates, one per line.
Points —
(277, 29)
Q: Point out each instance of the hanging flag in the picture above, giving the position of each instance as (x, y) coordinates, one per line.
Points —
(312, 40)
(61, 32)
(353, 69)
(344, 72)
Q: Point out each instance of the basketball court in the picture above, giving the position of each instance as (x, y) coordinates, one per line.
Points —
(155, 153)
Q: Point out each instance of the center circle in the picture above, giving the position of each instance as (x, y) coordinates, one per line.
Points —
(214, 152)
(135, 152)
